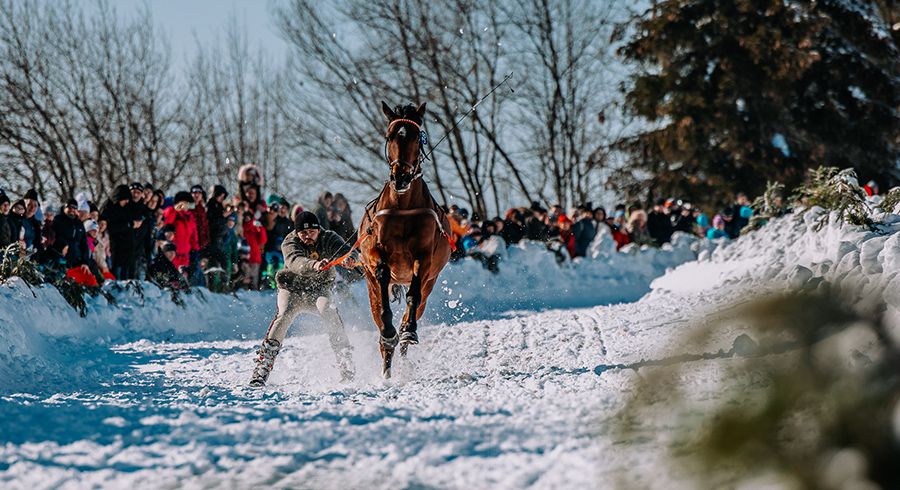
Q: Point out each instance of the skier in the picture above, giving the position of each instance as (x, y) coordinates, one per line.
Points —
(304, 285)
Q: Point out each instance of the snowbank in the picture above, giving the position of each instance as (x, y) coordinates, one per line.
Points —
(530, 279)
(43, 340)
(794, 252)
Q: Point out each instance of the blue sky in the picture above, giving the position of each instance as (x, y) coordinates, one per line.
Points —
(187, 20)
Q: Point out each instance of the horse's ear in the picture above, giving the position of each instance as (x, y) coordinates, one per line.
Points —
(386, 109)
(421, 111)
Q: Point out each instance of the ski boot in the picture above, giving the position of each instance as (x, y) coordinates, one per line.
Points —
(267, 352)
(345, 365)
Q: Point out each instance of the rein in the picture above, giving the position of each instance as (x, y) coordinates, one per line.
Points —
(415, 166)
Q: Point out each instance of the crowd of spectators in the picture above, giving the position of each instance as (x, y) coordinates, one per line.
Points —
(570, 234)
(187, 238)
(226, 241)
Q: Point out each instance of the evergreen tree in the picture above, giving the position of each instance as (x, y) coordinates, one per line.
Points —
(739, 92)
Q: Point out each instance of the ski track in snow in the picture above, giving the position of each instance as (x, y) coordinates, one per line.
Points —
(506, 403)
(511, 400)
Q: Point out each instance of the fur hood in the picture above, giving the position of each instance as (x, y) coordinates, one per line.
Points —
(243, 171)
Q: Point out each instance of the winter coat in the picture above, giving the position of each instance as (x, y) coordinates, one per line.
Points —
(164, 273)
(185, 234)
(15, 226)
(714, 234)
(568, 239)
(103, 245)
(119, 225)
(469, 243)
(230, 246)
(741, 219)
(322, 214)
(202, 222)
(732, 228)
(32, 229)
(299, 274)
(684, 223)
(5, 232)
(256, 239)
(535, 229)
(143, 235)
(275, 235)
(659, 225)
(512, 232)
(492, 245)
(584, 231)
(621, 238)
(215, 217)
(71, 232)
(343, 227)
(98, 252)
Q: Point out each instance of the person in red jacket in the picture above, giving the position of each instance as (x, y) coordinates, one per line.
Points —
(199, 212)
(255, 234)
(565, 234)
(185, 238)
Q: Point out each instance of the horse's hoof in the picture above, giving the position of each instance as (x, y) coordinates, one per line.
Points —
(390, 342)
(386, 373)
(411, 338)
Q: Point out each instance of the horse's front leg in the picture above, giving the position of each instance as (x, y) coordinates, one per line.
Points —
(389, 337)
(408, 335)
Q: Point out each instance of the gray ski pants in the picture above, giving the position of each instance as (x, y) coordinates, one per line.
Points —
(291, 304)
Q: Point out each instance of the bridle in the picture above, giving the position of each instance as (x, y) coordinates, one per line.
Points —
(415, 168)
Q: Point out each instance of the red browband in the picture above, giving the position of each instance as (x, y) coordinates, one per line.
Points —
(395, 121)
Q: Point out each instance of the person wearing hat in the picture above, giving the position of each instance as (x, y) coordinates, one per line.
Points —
(198, 195)
(163, 271)
(584, 230)
(31, 223)
(137, 191)
(659, 222)
(278, 225)
(179, 215)
(256, 237)
(70, 229)
(215, 217)
(33, 210)
(323, 204)
(304, 285)
(121, 221)
(143, 234)
(97, 248)
(230, 245)
(15, 218)
(6, 236)
(536, 225)
(148, 192)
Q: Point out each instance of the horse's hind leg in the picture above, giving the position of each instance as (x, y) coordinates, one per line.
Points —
(408, 335)
(389, 337)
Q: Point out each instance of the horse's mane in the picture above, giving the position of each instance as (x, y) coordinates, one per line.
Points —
(408, 111)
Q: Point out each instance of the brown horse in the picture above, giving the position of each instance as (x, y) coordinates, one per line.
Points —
(403, 240)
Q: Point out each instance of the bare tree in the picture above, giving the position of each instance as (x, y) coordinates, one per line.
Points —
(568, 91)
(448, 53)
(87, 101)
(239, 98)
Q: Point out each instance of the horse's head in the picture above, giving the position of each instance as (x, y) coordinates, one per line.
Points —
(405, 140)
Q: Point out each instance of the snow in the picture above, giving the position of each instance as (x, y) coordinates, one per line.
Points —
(505, 391)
